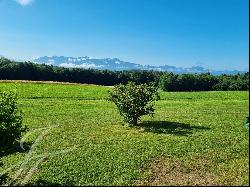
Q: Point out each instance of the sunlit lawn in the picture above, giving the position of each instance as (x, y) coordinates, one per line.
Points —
(194, 138)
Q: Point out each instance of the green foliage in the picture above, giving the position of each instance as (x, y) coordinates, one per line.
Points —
(234, 82)
(10, 120)
(168, 82)
(134, 101)
(204, 82)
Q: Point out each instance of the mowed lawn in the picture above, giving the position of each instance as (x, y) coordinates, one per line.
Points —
(76, 137)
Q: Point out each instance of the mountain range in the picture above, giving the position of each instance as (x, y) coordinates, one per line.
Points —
(117, 64)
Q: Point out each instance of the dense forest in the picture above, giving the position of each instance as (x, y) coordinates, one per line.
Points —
(12, 70)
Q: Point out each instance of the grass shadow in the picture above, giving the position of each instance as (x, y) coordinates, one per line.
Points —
(41, 182)
(165, 127)
(3, 178)
(16, 148)
(62, 97)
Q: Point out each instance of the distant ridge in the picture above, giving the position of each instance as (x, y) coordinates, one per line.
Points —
(117, 64)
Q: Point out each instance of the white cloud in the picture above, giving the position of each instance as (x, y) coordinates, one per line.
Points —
(50, 62)
(84, 65)
(24, 2)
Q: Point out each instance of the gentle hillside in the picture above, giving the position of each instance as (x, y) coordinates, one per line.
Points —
(196, 138)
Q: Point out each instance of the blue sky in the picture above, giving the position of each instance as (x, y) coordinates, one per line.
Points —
(184, 33)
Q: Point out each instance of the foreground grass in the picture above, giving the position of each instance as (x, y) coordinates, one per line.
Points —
(79, 138)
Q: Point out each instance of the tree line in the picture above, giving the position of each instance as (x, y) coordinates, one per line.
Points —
(204, 82)
(12, 70)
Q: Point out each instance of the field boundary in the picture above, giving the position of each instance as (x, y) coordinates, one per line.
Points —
(47, 82)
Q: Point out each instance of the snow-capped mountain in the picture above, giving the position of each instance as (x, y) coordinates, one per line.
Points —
(116, 64)
(87, 63)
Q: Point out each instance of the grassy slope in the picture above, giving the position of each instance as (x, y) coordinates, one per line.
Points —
(203, 129)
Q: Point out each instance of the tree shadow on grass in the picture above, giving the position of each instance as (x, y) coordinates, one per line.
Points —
(3, 178)
(165, 127)
(16, 148)
(41, 182)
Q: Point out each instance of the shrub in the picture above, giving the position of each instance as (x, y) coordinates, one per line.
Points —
(134, 101)
(10, 120)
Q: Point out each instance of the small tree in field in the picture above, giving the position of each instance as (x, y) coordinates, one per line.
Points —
(10, 120)
(133, 101)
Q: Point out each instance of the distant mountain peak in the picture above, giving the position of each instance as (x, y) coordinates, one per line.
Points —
(117, 64)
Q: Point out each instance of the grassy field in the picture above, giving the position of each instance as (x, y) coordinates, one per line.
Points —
(76, 137)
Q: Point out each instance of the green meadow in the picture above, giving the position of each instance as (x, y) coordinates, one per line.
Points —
(77, 137)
